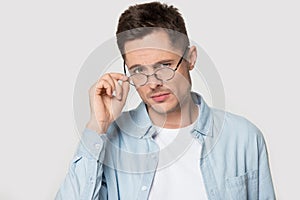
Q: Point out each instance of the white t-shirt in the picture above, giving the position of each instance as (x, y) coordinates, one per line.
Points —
(181, 178)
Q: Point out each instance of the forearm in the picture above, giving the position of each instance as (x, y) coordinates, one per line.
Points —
(99, 127)
(85, 173)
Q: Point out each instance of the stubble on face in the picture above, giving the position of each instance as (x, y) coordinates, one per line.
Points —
(178, 89)
(174, 95)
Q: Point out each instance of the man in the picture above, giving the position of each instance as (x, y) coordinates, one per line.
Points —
(172, 146)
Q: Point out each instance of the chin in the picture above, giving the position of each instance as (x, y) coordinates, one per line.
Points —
(163, 108)
(158, 109)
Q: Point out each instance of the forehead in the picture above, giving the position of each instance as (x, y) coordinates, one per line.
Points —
(151, 47)
(149, 56)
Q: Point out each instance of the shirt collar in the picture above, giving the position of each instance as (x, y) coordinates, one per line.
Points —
(137, 122)
(204, 120)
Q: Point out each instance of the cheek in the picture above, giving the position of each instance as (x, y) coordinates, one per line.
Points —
(182, 81)
(142, 91)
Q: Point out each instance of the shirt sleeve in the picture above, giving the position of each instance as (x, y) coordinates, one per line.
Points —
(84, 178)
(265, 184)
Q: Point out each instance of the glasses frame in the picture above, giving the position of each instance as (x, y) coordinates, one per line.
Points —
(154, 73)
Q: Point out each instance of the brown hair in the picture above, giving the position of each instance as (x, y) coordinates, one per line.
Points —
(142, 19)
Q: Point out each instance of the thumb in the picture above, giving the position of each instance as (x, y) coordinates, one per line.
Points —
(126, 87)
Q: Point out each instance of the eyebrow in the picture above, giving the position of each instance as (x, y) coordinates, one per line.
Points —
(159, 62)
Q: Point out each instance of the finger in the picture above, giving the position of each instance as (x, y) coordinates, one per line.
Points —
(109, 79)
(118, 76)
(115, 79)
(104, 88)
(115, 76)
(118, 90)
(121, 88)
(125, 90)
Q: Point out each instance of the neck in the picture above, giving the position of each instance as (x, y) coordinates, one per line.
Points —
(180, 117)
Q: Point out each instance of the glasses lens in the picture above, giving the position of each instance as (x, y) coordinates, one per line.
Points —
(138, 79)
(165, 74)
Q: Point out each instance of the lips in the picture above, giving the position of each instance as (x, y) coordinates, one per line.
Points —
(160, 97)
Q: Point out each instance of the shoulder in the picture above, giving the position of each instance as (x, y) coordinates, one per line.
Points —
(238, 138)
(236, 128)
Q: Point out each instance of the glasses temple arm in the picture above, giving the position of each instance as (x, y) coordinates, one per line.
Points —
(181, 58)
(124, 67)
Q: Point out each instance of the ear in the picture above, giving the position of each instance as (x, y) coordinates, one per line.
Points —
(192, 57)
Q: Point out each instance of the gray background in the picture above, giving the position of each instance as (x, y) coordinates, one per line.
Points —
(43, 45)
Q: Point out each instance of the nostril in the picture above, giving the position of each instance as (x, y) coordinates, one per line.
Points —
(154, 85)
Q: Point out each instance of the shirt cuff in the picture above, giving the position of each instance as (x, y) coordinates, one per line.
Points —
(91, 144)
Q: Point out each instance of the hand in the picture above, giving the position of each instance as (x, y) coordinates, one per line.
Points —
(107, 99)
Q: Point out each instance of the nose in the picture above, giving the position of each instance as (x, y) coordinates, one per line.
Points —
(153, 82)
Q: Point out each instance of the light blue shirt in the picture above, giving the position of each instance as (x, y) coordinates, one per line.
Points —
(121, 164)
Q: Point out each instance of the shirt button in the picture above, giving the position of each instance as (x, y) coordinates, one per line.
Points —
(97, 146)
(92, 180)
(144, 188)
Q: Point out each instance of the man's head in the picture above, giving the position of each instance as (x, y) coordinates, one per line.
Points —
(152, 35)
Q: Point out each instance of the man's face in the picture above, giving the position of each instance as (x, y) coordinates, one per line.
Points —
(155, 50)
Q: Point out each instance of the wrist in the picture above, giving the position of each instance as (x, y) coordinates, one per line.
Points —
(100, 127)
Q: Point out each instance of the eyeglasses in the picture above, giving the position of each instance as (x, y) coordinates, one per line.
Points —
(162, 73)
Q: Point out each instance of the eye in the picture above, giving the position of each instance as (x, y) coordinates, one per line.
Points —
(137, 70)
(162, 65)
(165, 65)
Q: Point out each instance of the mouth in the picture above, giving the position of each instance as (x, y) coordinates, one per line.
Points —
(160, 97)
